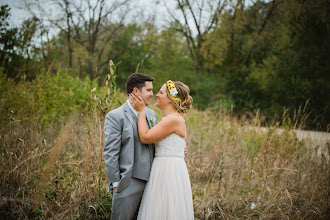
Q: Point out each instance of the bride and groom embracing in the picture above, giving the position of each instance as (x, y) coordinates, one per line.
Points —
(145, 159)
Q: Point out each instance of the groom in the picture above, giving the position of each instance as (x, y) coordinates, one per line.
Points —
(128, 161)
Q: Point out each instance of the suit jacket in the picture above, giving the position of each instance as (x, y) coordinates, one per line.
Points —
(125, 156)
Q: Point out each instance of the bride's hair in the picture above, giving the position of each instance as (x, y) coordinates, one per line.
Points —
(185, 100)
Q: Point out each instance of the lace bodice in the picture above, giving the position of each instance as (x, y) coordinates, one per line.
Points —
(171, 146)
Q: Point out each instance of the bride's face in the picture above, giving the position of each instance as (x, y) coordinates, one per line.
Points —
(162, 98)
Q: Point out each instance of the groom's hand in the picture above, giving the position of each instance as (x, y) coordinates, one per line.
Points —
(185, 150)
(115, 189)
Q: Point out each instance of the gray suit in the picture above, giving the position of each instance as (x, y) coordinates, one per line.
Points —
(128, 162)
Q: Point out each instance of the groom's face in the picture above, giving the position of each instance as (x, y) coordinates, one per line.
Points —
(146, 92)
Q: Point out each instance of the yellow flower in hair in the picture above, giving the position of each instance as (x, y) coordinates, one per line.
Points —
(172, 89)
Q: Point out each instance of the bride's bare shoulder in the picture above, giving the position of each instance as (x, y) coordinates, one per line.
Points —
(177, 123)
(174, 118)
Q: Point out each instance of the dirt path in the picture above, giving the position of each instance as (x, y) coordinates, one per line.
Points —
(318, 141)
(316, 137)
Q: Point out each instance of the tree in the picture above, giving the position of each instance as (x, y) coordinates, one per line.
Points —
(197, 16)
(88, 26)
(303, 70)
(262, 27)
(16, 46)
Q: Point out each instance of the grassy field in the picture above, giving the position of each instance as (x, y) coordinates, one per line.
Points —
(52, 160)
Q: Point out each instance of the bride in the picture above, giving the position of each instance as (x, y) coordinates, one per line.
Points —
(168, 192)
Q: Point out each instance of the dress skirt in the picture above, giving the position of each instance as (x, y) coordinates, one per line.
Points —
(168, 192)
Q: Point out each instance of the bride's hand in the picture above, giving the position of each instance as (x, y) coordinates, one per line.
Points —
(136, 102)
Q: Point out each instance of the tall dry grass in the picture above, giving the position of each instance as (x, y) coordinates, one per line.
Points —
(242, 173)
(53, 177)
(57, 171)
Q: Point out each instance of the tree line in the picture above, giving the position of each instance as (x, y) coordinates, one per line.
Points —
(268, 56)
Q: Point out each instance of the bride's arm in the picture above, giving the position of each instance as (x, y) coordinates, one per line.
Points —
(161, 130)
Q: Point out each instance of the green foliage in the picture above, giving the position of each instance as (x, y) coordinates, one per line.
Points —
(170, 60)
(270, 56)
(129, 48)
(253, 144)
(104, 102)
(274, 63)
(46, 99)
(16, 45)
(295, 69)
(99, 209)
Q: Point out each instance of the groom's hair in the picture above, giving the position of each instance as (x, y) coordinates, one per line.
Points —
(137, 80)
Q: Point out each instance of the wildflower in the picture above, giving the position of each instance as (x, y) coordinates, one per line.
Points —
(173, 92)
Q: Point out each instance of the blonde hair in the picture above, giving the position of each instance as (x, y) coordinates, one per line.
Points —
(184, 104)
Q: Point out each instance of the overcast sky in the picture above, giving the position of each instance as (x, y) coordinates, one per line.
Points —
(146, 7)
(149, 7)
(17, 15)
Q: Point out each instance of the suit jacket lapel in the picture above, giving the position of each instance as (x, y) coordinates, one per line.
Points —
(129, 113)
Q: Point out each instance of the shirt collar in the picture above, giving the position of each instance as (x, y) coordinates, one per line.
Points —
(133, 109)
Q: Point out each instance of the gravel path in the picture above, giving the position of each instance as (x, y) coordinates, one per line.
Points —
(319, 142)
(316, 137)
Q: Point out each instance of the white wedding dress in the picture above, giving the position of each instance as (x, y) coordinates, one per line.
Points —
(167, 194)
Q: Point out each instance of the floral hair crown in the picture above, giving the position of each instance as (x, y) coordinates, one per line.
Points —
(173, 91)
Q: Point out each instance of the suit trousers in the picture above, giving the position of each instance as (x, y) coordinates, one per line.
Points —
(125, 204)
